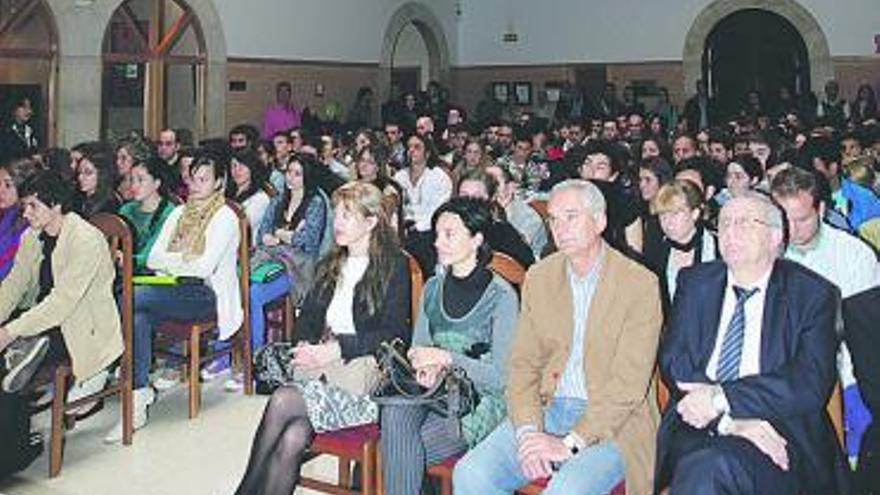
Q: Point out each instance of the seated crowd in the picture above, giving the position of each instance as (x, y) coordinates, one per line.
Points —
(732, 266)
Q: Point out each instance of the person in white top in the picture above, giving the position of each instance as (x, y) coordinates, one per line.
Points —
(247, 187)
(845, 260)
(199, 240)
(425, 186)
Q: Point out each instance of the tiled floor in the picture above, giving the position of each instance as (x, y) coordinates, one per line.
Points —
(171, 456)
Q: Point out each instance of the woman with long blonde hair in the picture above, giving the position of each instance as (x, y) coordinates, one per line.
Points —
(361, 297)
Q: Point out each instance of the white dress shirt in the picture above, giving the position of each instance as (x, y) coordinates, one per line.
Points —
(421, 199)
(750, 360)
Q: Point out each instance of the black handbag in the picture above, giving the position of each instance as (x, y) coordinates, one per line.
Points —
(452, 396)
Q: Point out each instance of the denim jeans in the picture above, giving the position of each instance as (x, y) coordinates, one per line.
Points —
(154, 304)
(262, 293)
(492, 467)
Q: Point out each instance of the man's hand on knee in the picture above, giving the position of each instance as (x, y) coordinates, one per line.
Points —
(763, 436)
(537, 453)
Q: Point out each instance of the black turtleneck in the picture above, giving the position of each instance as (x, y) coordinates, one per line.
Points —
(461, 294)
(47, 279)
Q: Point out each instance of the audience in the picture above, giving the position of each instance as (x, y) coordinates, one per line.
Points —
(662, 184)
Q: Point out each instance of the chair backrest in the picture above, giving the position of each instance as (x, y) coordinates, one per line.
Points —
(121, 242)
(508, 268)
(244, 263)
(417, 282)
(540, 206)
(834, 407)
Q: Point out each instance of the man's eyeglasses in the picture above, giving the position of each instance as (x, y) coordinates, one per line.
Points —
(742, 223)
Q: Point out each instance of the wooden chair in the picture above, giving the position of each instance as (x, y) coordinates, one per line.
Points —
(508, 268)
(194, 333)
(359, 445)
(120, 240)
(540, 206)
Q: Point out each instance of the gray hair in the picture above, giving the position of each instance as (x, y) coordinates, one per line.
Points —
(771, 214)
(592, 197)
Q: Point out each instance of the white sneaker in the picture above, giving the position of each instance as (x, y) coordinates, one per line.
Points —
(234, 384)
(166, 379)
(143, 398)
(87, 387)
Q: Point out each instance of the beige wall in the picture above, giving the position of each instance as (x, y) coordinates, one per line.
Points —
(341, 82)
(469, 83)
(851, 72)
(666, 74)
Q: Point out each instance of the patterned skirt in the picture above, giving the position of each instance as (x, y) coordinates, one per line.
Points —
(332, 408)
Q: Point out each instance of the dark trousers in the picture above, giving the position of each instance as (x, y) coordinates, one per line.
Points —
(716, 464)
(868, 472)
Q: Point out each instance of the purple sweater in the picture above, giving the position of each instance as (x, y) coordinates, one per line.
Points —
(11, 228)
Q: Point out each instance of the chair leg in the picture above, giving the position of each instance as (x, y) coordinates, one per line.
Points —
(368, 469)
(446, 485)
(127, 398)
(194, 361)
(289, 319)
(380, 477)
(247, 362)
(344, 472)
(56, 441)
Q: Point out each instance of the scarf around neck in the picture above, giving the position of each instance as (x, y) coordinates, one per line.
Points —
(189, 234)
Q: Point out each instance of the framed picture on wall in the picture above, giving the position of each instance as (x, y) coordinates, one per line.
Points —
(522, 93)
(501, 92)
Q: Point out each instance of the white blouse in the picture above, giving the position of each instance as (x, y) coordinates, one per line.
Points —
(340, 312)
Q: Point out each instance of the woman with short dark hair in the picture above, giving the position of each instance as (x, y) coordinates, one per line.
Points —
(466, 318)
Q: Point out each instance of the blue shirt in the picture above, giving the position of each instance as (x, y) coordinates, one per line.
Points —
(573, 381)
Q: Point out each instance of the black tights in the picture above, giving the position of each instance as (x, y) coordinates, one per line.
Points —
(279, 446)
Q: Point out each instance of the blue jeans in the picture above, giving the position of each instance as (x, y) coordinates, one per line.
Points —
(492, 467)
(262, 293)
(154, 304)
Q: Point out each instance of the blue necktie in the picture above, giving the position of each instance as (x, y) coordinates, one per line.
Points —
(731, 348)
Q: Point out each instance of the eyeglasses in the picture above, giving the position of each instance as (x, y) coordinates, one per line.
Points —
(741, 223)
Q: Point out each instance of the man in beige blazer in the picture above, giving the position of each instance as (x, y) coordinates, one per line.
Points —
(581, 410)
(62, 278)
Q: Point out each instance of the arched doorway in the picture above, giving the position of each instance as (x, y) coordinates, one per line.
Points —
(154, 69)
(411, 19)
(754, 50)
(28, 63)
(818, 54)
(411, 62)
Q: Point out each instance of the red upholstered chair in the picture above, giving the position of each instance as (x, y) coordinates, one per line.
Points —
(122, 249)
(359, 444)
(192, 334)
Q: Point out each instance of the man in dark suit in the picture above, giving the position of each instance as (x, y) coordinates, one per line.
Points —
(17, 138)
(749, 356)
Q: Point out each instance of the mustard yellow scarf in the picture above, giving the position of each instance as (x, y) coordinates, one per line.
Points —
(189, 234)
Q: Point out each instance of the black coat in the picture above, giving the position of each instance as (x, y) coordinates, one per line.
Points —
(392, 320)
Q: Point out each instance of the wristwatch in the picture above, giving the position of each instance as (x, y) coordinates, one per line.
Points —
(573, 443)
(719, 401)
